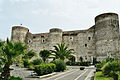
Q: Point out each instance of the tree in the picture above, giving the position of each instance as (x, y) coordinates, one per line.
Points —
(19, 60)
(62, 52)
(9, 51)
(111, 69)
(44, 54)
(71, 58)
(29, 55)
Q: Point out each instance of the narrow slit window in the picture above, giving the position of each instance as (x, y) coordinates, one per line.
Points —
(85, 45)
(43, 41)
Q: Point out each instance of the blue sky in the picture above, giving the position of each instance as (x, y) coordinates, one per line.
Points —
(41, 15)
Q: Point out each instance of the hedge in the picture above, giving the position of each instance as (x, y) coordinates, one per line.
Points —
(87, 63)
(60, 65)
(43, 69)
(37, 61)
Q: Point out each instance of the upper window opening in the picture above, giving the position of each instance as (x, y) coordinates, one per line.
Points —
(89, 38)
(71, 38)
(42, 36)
(34, 37)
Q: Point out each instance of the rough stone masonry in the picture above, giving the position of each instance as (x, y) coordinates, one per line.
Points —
(99, 41)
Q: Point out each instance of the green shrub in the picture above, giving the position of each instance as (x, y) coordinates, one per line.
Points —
(60, 65)
(78, 63)
(1, 69)
(111, 67)
(43, 69)
(26, 63)
(37, 61)
(87, 63)
(15, 78)
(98, 67)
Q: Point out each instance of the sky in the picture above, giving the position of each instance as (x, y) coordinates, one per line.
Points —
(41, 15)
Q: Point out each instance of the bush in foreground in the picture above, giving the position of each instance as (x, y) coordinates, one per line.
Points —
(37, 62)
(60, 65)
(26, 63)
(43, 69)
(15, 78)
(111, 69)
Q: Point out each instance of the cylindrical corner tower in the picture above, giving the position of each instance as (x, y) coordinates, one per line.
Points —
(55, 37)
(19, 34)
(106, 35)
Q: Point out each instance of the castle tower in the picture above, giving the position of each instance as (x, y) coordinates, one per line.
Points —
(19, 33)
(54, 37)
(106, 35)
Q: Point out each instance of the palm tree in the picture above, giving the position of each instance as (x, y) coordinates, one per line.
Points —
(62, 52)
(29, 55)
(44, 54)
(9, 51)
(71, 58)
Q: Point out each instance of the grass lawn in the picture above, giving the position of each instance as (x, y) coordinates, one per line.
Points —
(99, 76)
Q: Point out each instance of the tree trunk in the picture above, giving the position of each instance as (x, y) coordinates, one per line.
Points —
(6, 72)
(115, 76)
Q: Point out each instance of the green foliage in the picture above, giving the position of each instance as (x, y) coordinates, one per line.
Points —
(87, 63)
(103, 62)
(98, 67)
(43, 69)
(27, 63)
(37, 62)
(29, 55)
(62, 52)
(9, 51)
(100, 76)
(15, 78)
(60, 65)
(95, 61)
(111, 67)
(71, 58)
(44, 54)
(1, 69)
(109, 59)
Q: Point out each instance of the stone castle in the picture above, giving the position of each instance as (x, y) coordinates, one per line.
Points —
(99, 41)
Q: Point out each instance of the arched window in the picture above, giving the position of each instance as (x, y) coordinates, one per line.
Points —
(89, 38)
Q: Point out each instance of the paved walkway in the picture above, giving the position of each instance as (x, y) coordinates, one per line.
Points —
(73, 74)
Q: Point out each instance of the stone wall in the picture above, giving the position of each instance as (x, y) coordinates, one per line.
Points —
(107, 35)
(99, 41)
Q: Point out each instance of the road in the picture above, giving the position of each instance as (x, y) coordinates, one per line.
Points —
(73, 74)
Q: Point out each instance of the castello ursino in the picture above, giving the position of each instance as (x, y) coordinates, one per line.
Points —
(99, 41)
